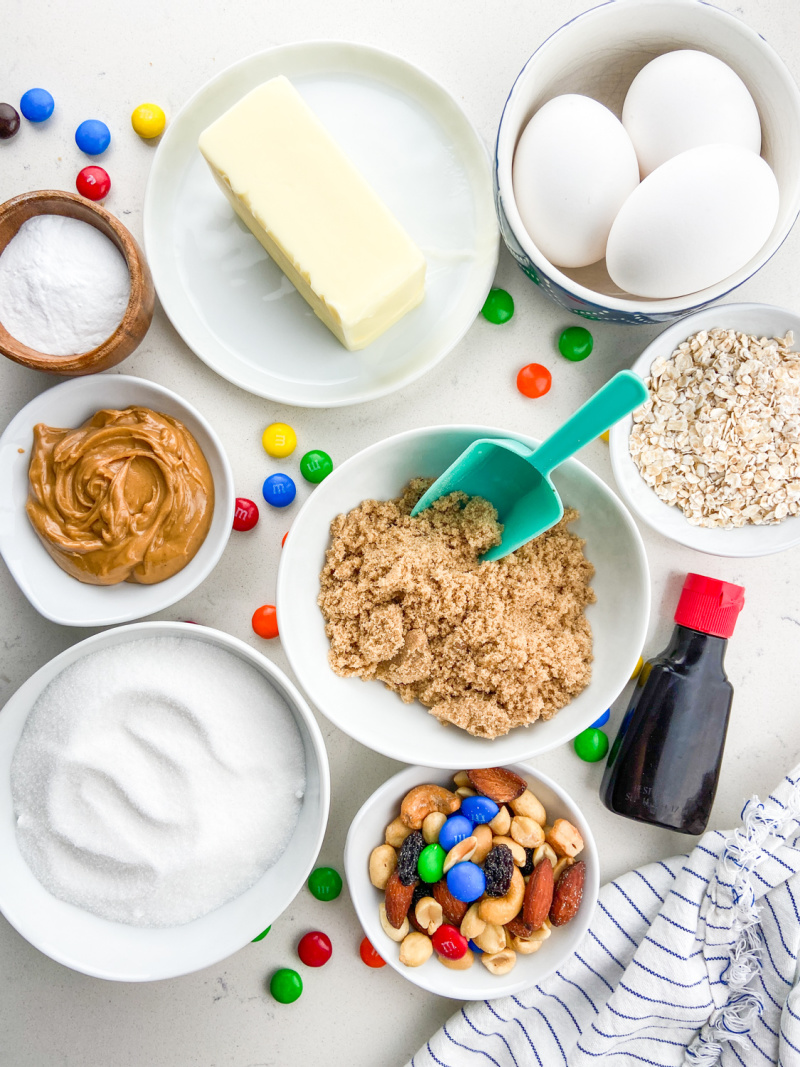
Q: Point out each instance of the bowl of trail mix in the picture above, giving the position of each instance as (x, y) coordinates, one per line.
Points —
(712, 458)
(474, 885)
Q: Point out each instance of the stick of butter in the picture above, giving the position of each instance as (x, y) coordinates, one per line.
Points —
(314, 213)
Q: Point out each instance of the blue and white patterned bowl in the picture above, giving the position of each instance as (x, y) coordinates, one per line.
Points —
(598, 54)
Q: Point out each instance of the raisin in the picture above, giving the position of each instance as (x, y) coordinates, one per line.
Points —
(527, 867)
(498, 868)
(421, 889)
(408, 857)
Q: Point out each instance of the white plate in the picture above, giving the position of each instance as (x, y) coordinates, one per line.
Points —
(54, 593)
(377, 717)
(122, 953)
(237, 310)
(762, 320)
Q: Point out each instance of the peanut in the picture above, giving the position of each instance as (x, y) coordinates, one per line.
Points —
(501, 823)
(415, 949)
(422, 800)
(428, 914)
(465, 791)
(389, 930)
(499, 962)
(563, 863)
(460, 778)
(565, 839)
(462, 964)
(431, 825)
(530, 805)
(382, 862)
(527, 831)
(396, 832)
(491, 939)
(544, 851)
(500, 910)
(472, 924)
(483, 835)
(517, 851)
(461, 851)
(525, 946)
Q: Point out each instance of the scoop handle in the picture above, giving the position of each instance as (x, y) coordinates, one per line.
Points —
(616, 399)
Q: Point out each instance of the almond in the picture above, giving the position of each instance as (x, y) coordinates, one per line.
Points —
(422, 800)
(398, 900)
(499, 784)
(518, 928)
(453, 910)
(538, 896)
(567, 894)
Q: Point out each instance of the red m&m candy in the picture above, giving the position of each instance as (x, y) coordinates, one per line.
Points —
(93, 183)
(314, 948)
(245, 514)
(369, 955)
(449, 942)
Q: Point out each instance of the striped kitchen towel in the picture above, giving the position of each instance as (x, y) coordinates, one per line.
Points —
(693, 961)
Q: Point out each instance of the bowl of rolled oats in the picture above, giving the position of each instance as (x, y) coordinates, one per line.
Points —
(712, 459)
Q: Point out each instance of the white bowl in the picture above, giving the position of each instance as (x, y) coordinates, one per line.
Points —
(376, 716)
(115, 951)
(598, 54)
(758, 319)
(367, 831)
(54, 593)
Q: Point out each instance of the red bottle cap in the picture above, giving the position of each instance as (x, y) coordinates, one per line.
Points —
(710, 606)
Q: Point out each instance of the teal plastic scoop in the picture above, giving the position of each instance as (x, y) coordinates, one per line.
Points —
(516, 479)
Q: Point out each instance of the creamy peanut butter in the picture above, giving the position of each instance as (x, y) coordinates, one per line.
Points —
(126, 497)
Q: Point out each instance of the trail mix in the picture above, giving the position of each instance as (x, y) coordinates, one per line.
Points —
(463, 872)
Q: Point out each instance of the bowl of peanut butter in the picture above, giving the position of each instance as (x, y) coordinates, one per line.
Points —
(117, 500)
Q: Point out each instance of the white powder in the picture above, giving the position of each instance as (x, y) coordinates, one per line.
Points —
(156, 780)
(64, 286)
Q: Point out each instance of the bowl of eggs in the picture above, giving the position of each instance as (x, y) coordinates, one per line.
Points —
(645, 162)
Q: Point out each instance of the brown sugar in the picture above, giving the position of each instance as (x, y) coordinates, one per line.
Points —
(486, 646)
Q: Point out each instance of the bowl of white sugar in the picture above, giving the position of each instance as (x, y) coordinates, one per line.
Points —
(164, 793)
(76, 295)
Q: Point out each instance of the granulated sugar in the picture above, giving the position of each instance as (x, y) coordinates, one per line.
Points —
(156, 780)
(64, 286)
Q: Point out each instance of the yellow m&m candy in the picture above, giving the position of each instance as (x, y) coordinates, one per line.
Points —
(148, 120)
(279, 440)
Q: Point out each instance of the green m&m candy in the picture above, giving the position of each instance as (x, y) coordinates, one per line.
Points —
(591, 745)
(286, 985)
(261, 936)
(499, 306)
(575, 343)
(316, 465)
(431, 862)
(325, 883)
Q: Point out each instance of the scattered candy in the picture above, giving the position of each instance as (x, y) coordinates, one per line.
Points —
(466, 881)
(478, 809)
(265, 621)
(604, 436)
(430, 863)
(286, 986)
(498, 308)
(314, 949)
(148, 120)
(602, 720)
(369, 955)
(245, 514)
(9, 121)
(591, 745)
(449, 942)
(261, 936)
(455, 829)
(279, 490)
(325, 883)
(534, 380)
(575, 343)
(279, 440)
(316, 465)
(93, 183)
(637, 669)
(93, 137)
(283, 539)
(37, 105)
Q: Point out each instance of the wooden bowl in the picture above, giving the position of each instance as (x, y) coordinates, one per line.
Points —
(139, 312)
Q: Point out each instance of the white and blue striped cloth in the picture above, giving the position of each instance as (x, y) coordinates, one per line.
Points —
(692, 961)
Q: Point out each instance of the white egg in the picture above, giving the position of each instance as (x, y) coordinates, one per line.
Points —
(693, 222)
(685, 99)
(573, 168)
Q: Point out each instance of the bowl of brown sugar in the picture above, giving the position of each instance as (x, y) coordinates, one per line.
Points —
(406, 640)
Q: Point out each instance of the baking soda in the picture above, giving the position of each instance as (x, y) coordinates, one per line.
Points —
(156, 780)
(64, 285)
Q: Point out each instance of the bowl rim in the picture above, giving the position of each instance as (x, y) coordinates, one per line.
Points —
(690, 536)
(138, 314)
(504, 155)
(224, 498)
(19, 706)
(293, 648)
(356, 869)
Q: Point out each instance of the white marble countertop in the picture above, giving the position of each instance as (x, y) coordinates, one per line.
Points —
(101, 59)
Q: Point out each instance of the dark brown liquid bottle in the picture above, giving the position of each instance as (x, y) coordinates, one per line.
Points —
(665, 761)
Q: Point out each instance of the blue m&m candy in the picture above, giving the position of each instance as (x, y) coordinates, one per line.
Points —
(455, 829)
(475, 948)
(279, 490)
(466, 881)
(93, 137)
(36, 105)
(478, 809)
(602, 720)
